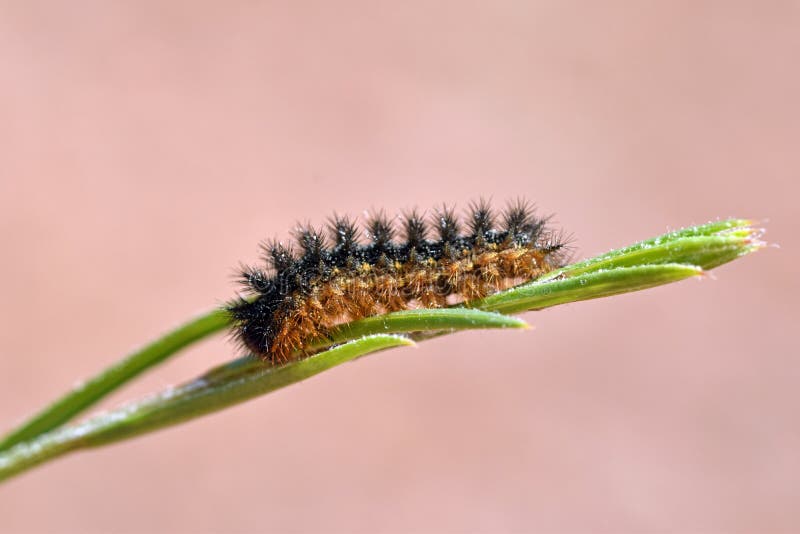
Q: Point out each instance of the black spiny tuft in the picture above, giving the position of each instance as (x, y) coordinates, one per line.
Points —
(520, 223)
(446, 224)
(279, 257)
(254, 279)
(481, 219)
(344, 233)
(254, 333)
(414, 229)
(380, 230)
(312, 242)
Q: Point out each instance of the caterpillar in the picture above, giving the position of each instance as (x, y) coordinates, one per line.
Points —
(300, 295)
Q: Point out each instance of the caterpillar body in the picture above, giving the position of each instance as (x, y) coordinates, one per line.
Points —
(299, 296)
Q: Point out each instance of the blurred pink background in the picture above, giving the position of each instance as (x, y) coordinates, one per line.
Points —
(148, 147)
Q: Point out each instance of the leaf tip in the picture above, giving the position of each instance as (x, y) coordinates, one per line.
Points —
(404, 341)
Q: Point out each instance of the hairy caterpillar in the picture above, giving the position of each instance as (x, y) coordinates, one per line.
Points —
(301, 296)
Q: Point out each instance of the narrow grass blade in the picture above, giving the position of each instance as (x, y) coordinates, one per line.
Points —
(196, 398)
(442, 320)
(95, 389)
(438, 321)
(536, 296)
(706, 246)
(91, 391)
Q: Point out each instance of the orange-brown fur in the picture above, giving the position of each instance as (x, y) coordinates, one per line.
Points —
(373, 290)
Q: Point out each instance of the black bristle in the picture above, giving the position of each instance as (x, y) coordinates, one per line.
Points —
(311, 241)
(520, 222)
(254, 333)
(446, 224)
(481, 218)
(414, 229)
(556, 245)
(344, 233)
(380, 230)
(279, 257)
(255, 279)
(238, 308)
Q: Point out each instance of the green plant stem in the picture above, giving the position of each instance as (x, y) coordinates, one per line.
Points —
(237, 382)
(586, 286)
(706, 246)
(440, 321)
(91, 391)
(190, 400)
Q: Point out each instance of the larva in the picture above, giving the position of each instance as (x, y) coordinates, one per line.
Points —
(299, 296)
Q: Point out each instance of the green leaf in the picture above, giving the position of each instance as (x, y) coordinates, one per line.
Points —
(91, 391)
(86, 394)
(423, 320)
(592, 285)
(188, 401)
(706, 246)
